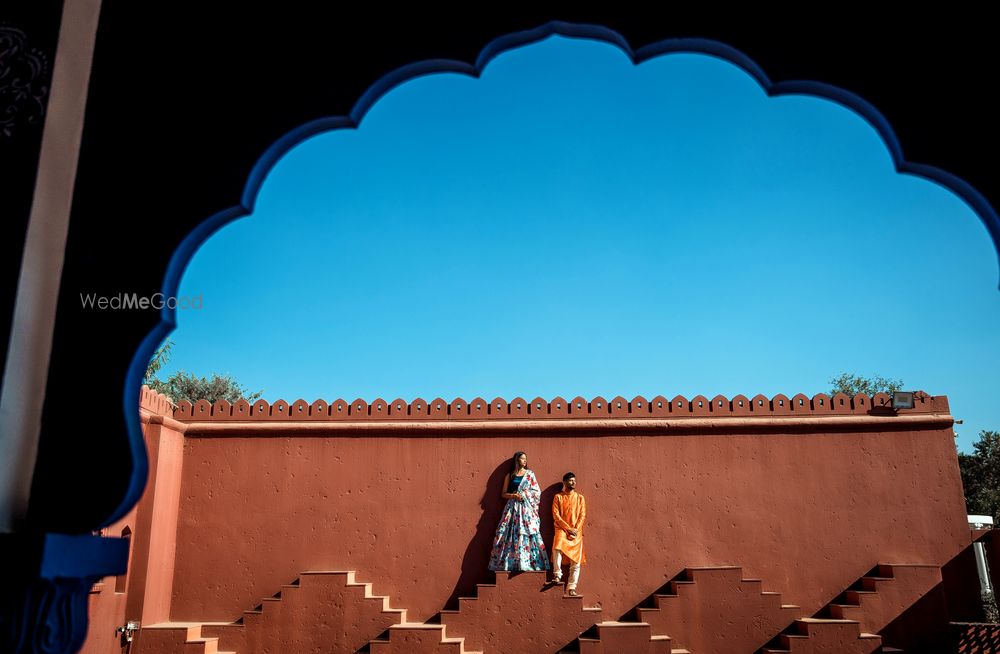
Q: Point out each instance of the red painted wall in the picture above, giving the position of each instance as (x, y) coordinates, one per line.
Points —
(143, 594)
(156, 525)
(807, 512)
(106, 611)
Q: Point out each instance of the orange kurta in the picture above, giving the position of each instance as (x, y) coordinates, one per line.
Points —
(569, 511)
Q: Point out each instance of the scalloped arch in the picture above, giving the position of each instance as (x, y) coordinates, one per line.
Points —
(185, 251)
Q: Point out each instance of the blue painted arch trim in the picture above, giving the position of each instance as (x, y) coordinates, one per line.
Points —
(186, 250)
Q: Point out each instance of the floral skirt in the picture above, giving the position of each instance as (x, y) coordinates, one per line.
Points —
(518, 543)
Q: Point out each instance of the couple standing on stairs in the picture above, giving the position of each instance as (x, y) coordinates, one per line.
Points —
(518, 545)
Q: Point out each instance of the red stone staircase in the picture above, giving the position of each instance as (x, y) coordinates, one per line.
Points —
(824, 636)
(714, 609)
(517, 613)
(705, 609)
(176, 637)
(850, 623)
(880, 596)
(319, 611)
(418, 638)
(616, 637)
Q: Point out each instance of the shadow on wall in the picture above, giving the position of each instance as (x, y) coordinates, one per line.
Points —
(476, 560)
(923, 627)
(961, 586)
(545, 511)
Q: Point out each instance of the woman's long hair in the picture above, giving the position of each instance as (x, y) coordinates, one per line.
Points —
(513, 462)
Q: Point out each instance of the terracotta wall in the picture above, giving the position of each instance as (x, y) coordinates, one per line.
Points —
(143, 593)
(807, 507)
(156, 523)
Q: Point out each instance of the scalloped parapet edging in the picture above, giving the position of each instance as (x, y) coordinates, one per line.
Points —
(155, 402)
(541, 409)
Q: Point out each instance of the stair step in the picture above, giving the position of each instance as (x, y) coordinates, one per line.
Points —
(417, 625)
(854, 596)
(206, 645)
(269, 607)
(328, 572)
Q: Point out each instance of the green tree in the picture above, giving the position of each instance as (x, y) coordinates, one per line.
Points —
(160, 358)
(187, 386)
(851, 385)
(981, 475)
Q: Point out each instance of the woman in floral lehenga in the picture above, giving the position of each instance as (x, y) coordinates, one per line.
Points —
(518, 544)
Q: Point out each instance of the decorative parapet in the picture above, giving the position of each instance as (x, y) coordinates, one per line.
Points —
(478, 409)
(155, 402)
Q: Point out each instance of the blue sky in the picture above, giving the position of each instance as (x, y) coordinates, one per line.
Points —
(573, 224)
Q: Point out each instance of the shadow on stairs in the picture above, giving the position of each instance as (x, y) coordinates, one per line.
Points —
(852, 622)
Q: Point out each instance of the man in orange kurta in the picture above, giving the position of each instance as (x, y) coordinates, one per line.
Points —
(569, 511)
